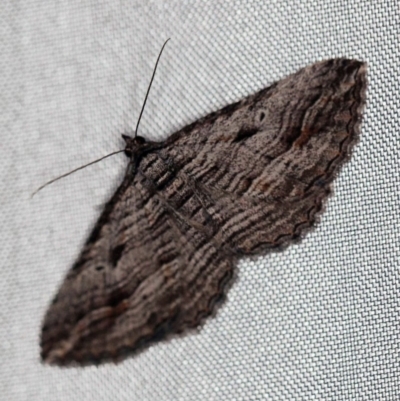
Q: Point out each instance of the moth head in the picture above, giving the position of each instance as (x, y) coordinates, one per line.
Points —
(132, 145)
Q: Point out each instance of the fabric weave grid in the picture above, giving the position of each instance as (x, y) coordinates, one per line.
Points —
(317, 321)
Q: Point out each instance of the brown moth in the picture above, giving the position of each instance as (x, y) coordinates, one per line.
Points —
(244, 180)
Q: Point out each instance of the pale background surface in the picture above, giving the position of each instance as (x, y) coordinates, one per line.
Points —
(319, 321)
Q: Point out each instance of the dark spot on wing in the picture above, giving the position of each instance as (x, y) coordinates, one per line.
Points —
(228, 110)
(79, 263)
(116, 254)
(245, 133)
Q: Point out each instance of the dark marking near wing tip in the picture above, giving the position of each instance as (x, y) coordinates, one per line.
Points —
(228, 110)
(78, 264)
(116, 254)
(245, 133)
(114, 301)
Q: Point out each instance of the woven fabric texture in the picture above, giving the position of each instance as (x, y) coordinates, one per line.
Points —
(319, 321)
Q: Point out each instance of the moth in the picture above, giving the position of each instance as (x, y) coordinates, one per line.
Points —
(247, 179)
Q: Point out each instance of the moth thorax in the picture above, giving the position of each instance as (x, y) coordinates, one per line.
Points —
(133, 144)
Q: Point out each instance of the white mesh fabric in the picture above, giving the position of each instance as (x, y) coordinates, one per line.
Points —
(318, 321)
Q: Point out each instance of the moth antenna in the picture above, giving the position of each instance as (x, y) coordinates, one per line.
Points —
(74, 170)
(118, 151)
(148, 89)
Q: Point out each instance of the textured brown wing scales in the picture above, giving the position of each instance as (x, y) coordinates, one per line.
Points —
(137, 306)
(316, 132)
(230, 212)
(205, 268)
(250, 177)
